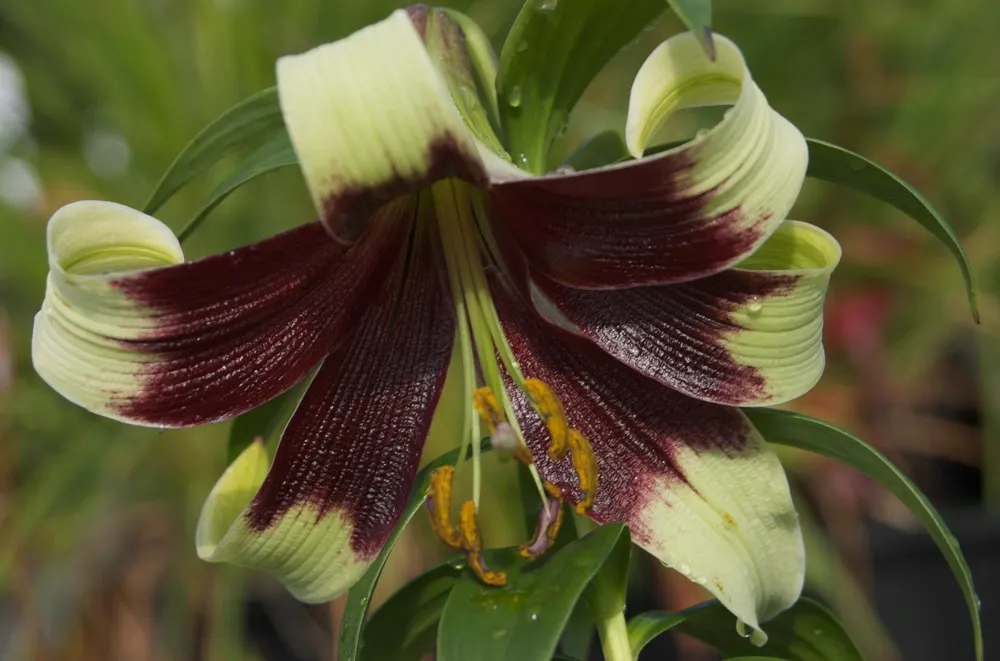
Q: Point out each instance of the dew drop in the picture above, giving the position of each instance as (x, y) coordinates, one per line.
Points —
(523, 160)
(701, 580)
(534, 616)
(364, 601)
(684, 569)
(701, 133)
(755, 305)
(742, 630)
(514, 96)
(565, 169)
(522, 46)
(548, 5)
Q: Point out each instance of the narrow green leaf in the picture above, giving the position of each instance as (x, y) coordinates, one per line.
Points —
(697, 16)
(647, 626)
(405, 627)
(805, 632)
(352, 623)
(245, 124)
(841, 166)
(604, 148)
(551, 53)
(523, 620)
(274, 154)
(802, 431)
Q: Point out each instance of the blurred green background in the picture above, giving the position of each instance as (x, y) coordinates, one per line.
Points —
(97, 519)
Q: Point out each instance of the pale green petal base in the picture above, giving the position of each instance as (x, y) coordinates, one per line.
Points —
(731, 528)
(76, 340)
(781, 334)
(308, 552)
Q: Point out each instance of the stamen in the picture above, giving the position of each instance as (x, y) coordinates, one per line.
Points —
(551, 411)
(503, 436)
(488, 408)
(549, 520)
(473, 545)
(439, 506)
(585, 465)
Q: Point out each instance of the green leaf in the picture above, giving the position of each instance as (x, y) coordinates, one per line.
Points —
(697, 16)
(802, 431)
(405, 627)
(604, 148)
(551, 53)
(523, 620)
(352, 623)
(606, 593)
(805, 632)
(841, 166)
(274, 154)
(247, 123)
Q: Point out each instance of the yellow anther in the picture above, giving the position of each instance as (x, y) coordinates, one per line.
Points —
(488, 408)
(439, 505)
(549, 521)
(585, 465)
(473, 545)
(550, 409)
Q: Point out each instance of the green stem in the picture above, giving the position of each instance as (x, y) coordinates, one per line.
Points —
(606, 598)
(614, 638)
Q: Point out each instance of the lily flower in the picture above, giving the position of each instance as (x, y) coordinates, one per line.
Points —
(603, 326)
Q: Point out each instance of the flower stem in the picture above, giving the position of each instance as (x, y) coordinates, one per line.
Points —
(607, 606)
(614, 638)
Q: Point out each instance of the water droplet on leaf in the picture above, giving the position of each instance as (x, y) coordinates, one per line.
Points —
(514, 96)
(548, 5)
(755, 305)
(522, 46)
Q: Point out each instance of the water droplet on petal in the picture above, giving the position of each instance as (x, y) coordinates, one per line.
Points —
(565, 169)
(755, 305)
(514, 96)
(684, 569)
(742, 630)
(700, 134)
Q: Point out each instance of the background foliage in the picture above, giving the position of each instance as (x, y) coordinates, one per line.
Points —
(97, 519)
